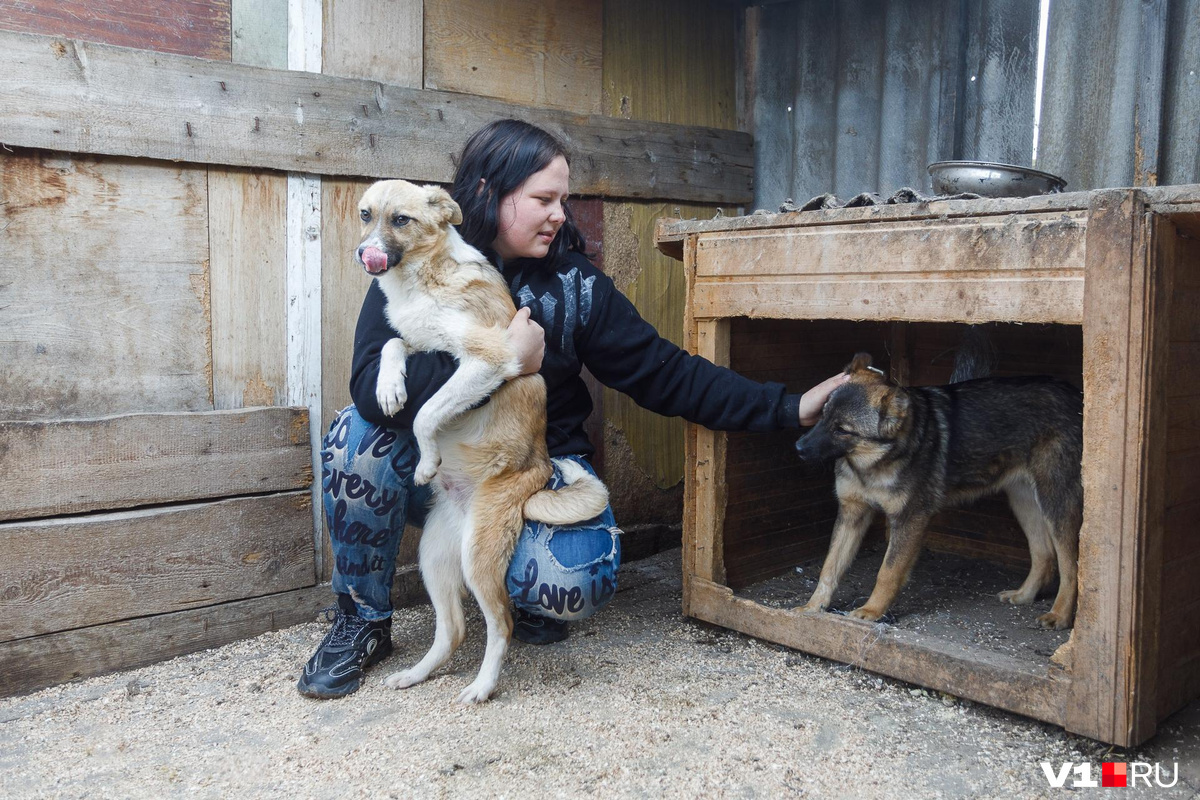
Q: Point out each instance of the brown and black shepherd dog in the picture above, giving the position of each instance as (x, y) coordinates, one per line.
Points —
(910, 452)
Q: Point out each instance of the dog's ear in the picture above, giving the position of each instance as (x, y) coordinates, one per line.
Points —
(445, 209)
(893, 410)
(862, 361)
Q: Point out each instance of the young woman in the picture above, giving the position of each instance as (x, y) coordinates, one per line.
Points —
(511, 184)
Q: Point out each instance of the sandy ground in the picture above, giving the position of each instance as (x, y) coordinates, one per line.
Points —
(638, 702)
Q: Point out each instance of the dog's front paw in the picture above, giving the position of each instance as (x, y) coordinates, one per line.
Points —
(427, 467)
(391, 395)
(477, 692)
(403, 679)
(1053, 620)
(812, 607)
(866, 613)
(1015, 597)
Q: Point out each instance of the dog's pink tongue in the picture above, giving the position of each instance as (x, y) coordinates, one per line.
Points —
(375, 260)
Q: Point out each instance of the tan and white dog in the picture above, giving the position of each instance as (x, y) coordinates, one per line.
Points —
(490, 462)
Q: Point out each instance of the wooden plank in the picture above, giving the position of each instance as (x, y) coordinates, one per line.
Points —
(78, 571)
(1016, 243)
(712, 342)
(543, 53)
(671, 61)
(40, 661)
(72, 467)
(186, 27)
(260, 32)
(939, 209)
(372, 40)
(247, 213)
(67, 95)
(104, 288)
(1119, 563)
(303, 267)
(973, 673)
(963, 297)
(1017, 267)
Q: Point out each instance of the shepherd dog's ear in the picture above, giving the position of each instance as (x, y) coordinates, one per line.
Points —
(446, 210)
(893, 410)
(861, 362)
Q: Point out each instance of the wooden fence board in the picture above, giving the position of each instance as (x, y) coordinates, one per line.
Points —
(260, 32)
(79, 571)
(103, 287)
(68, 95)
(539, 52)
(39, 661)
(247, 241)
(186, 27)
(77, 466)
(372, 40)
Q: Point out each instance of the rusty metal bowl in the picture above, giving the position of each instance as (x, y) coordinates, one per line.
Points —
(992, 180)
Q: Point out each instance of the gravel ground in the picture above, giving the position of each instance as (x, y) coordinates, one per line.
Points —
(638, 702)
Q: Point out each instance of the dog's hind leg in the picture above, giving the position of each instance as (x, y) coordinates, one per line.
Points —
(904, 545)
(441, 569)
(854, 517)
(498, 521)
(1064, 512)
(1023, 499)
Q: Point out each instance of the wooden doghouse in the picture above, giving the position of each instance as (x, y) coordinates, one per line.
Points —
(1106, 287)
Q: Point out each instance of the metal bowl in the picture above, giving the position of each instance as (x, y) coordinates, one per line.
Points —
(992, 180)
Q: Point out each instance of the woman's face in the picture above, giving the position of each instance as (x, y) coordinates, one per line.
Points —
(530, 215)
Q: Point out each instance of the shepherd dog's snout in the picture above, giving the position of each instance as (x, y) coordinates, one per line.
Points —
(817, 446)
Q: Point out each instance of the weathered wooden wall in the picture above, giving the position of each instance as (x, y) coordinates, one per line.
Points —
(158, 254)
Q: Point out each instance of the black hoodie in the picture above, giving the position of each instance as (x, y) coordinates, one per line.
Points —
(588, 322)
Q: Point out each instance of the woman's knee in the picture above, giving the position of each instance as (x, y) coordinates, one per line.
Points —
(565, 573)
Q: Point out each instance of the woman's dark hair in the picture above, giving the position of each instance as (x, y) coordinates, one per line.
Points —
(504, 153)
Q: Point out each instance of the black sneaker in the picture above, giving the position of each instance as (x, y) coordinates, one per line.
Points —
(534, 629)
(352, 645)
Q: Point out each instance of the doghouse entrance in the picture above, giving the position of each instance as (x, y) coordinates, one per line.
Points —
(779, 513)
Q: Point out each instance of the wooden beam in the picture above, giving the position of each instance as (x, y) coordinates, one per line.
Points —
(1119, 561)
(78, 571)
(40, 661)
(63, 94)
(976, 674)
(77, 466)
(712, 342)
(187, 27)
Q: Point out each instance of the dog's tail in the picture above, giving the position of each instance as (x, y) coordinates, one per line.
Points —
(976, 356)
(583, 497)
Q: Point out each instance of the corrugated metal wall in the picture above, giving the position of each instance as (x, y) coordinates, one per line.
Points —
(855, 97)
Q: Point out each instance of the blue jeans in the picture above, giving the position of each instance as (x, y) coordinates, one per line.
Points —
(367, 488)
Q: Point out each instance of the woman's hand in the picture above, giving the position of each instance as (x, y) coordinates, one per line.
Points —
(528, 340)
(812, 401)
